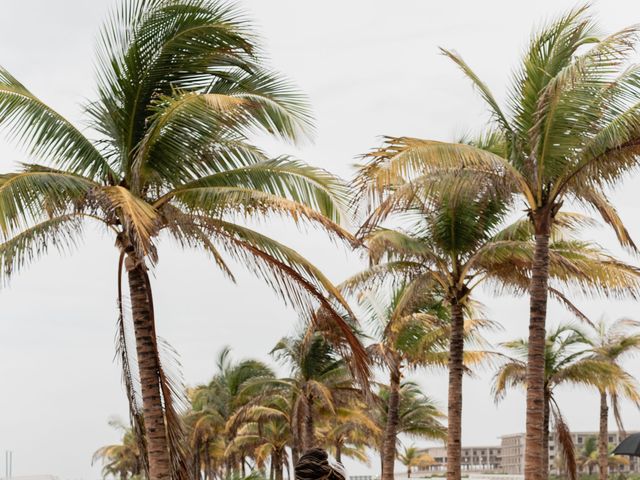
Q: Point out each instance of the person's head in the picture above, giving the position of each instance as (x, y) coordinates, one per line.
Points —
(315, 464)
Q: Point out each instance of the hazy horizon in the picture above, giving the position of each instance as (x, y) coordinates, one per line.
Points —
(369, 70)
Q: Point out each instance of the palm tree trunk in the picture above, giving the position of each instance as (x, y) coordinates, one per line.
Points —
(309, 433)
(388, 456)
(277, 459)
(456, 371)
(149, 370)
(339, 451)
(534, 461)
(546, 433)
(603, 441)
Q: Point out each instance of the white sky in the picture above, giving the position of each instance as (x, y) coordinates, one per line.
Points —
(370, 68)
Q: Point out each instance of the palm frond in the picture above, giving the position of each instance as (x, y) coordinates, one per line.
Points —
(47, 135)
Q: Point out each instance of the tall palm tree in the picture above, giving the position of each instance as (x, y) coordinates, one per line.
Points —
(411, 329)
(454, 239)
(181, 89)
(418, 415)
(568, 361)
(571, 128)
(612, 343)
(412, 457)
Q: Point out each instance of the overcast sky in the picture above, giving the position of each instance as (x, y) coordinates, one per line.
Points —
(370, 68)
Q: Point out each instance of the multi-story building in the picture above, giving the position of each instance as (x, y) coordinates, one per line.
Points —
(473, 459)
(513, 453)
(508, 457)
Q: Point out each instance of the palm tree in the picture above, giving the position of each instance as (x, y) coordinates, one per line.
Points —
(181, 88)
(269, 438)
(589, 456)
(454, 241)
(213, 406)
(418, 415)
(317, 376)
(412, 457)
(571, 129)
(123, 460)
(568, 361)
(273, 403)
(411, 329)
(612, 343)
(349, 430)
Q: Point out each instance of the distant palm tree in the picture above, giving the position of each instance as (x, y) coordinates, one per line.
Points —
(589, 457)
(317, 376)
(612, 343)
(568, 361)
(213, 407)
(181, 89)
(267, 431)
(412, 457)
(349, 430)
(570, 130)
(124, 460)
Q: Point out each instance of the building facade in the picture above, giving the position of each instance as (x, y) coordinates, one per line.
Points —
(473, 459)
(508, 457)
(513, 453)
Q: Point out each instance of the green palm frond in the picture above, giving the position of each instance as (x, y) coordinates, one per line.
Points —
(267, 183)
(45, 134)
(27, 196)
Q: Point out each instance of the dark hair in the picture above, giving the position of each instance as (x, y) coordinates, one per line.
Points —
(314, 464)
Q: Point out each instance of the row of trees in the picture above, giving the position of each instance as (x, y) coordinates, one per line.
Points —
(182, 91)
(247, 420)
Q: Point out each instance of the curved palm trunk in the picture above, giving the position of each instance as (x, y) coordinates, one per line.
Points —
(456, 371)
(149, 369)
(309, 433)
(388, 456)
(534, 458)
(339, 451)
(603, 440)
